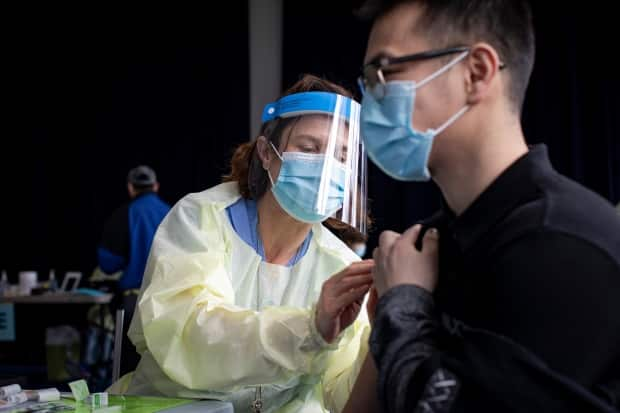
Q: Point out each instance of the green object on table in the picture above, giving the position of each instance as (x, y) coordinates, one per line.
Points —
(108, 409)
(97, 400)
(79, 388)
(132, 404)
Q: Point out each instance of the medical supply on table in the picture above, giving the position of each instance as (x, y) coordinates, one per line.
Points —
(4, 284)
(97, 400)
(27, 281)
(80, 391)
(9, 390)
(45, 395)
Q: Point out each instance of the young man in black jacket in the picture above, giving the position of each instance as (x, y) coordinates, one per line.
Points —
(508, 299)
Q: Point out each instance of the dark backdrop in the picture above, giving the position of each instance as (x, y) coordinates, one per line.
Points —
(91, 94)
(95, 92)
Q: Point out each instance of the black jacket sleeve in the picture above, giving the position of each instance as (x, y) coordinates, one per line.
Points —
(404, 345)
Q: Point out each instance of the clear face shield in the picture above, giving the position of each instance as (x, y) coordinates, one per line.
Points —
(323, 169)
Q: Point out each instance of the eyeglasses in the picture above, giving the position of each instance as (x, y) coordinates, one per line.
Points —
(372, 72)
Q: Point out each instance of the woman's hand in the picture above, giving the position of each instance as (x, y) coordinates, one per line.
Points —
(341, 299)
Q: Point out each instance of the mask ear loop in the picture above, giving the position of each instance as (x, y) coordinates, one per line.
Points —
(278, 155)
(452, 120)
(270, 178)
(465, 108)
(442, 70)
(276, 151)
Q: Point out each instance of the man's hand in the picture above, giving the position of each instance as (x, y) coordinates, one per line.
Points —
(397, 261)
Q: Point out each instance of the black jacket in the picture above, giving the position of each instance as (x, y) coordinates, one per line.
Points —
(531, 271)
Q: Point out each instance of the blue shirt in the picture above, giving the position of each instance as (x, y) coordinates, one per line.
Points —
(127, 238)
(243, 217)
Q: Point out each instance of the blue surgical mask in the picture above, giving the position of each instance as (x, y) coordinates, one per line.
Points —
(360, 250)
(297, 186)
(389, 137)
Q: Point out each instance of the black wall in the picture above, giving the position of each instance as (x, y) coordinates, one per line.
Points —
(92, 93)
(95, 92)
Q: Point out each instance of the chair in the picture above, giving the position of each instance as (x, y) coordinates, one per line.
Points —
(118, 345)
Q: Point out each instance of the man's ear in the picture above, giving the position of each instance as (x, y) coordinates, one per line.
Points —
(483, 65)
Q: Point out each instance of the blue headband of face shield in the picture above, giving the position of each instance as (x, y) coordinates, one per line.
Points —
(308, 103)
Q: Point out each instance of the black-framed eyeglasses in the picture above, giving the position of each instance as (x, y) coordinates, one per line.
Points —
(372, 72)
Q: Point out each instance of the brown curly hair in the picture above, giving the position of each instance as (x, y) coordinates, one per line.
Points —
(246, 166)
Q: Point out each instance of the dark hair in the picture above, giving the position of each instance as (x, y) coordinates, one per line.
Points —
(504, 24)
(246, 167)
(346, 233)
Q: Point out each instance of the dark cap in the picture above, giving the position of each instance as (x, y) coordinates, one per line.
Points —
(142, 176)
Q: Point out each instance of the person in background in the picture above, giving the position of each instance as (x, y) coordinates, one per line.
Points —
(126, 243)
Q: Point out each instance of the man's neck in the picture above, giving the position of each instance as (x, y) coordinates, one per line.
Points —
(281, 234)
(465, 174)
